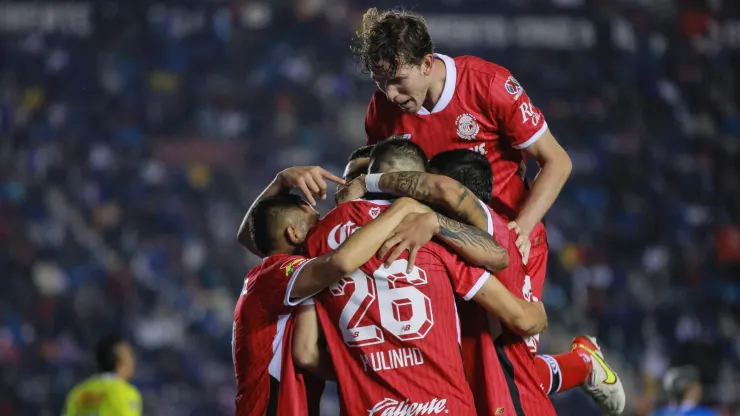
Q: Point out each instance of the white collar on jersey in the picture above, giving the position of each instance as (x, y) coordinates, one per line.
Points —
(374, 201)
(448, 90)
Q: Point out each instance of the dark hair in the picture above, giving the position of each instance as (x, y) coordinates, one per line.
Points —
(395, 155)
(470, 168)
(391, 39)
(105, 353)
(264, 217)
(364, 151)
(678, 380)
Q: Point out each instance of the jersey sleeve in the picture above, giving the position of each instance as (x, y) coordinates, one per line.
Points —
(518, 120)
(466, 280)
(287, 271)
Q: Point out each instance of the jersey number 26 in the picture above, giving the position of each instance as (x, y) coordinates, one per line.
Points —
(404, 310)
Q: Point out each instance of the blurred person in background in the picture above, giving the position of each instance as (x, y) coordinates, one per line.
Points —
(109, 392)
(683, 388)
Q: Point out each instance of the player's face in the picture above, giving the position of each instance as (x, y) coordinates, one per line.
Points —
(309, 218)
(352, 171)
(408, 87)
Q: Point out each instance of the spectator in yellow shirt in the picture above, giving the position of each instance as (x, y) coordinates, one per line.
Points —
(107, 393)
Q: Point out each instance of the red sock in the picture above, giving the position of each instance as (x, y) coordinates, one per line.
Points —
(562, 372)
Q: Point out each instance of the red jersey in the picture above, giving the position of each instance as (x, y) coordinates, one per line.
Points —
(499, 363)
(393, 336)
(260, 318)
(482, 108)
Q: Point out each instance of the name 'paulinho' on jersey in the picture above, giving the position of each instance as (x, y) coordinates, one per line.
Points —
(394, 336)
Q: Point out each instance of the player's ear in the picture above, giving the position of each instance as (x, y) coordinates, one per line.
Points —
(294, 235)
(426, 64)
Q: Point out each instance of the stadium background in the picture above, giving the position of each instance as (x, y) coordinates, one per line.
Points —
(133, 136)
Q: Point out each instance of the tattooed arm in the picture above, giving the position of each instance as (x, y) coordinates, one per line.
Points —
(446, 193)
(474, 243)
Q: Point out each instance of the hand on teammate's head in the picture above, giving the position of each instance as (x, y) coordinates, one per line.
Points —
(354, 189)
(311, 180)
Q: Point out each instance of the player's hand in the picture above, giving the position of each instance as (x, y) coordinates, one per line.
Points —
(352, 190)
(311, 180)
(522, 241)
(411, 234)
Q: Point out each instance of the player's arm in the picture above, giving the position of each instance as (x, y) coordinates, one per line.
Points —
(309, 351)
(555, 167)
(319, 273)
(473, 241)
(311, 180)
(476, 246)
(525, 127)
(524, 318)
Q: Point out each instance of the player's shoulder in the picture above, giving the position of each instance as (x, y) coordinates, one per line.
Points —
(482, 69)
(282, 264)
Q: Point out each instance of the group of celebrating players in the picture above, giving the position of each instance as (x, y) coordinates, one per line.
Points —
(419, 293)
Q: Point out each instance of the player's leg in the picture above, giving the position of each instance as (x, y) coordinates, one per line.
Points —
(584, 365)
(563, 371)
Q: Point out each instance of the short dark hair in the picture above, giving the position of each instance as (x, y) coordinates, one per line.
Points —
(364, 151)
(265, 215)
(395, 155)
(106, 357)
(390, 39)
(470, 168)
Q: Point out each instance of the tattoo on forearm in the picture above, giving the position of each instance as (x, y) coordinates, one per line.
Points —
(466, 235)
(411, 184)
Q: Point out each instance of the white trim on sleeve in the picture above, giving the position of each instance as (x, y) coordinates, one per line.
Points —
(287, 301)
(488, 216)
(532, 139)
(479, 284)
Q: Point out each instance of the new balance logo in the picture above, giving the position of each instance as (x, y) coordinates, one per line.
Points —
(391, 407)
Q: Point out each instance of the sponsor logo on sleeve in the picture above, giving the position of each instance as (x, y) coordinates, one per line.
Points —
(291, 265)
(467, 126)
(529, 113)
(513, 87)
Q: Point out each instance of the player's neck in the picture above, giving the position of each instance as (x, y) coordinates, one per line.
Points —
(439, 76)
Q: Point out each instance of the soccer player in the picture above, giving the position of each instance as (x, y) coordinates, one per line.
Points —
(107, 393)
(272, 289)
(445, 103)
(393, 334)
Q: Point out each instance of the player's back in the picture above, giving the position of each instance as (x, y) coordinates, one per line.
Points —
(103, 395)
(260, 319)
(498, 362)
(393, 336)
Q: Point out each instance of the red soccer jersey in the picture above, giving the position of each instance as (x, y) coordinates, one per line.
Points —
(260, 318)
(393, 336)
(498, 363)
(482, 108)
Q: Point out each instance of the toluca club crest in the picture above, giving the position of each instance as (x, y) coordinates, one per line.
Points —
(467, 127)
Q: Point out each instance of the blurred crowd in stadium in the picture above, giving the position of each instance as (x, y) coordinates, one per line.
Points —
(133, 139)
